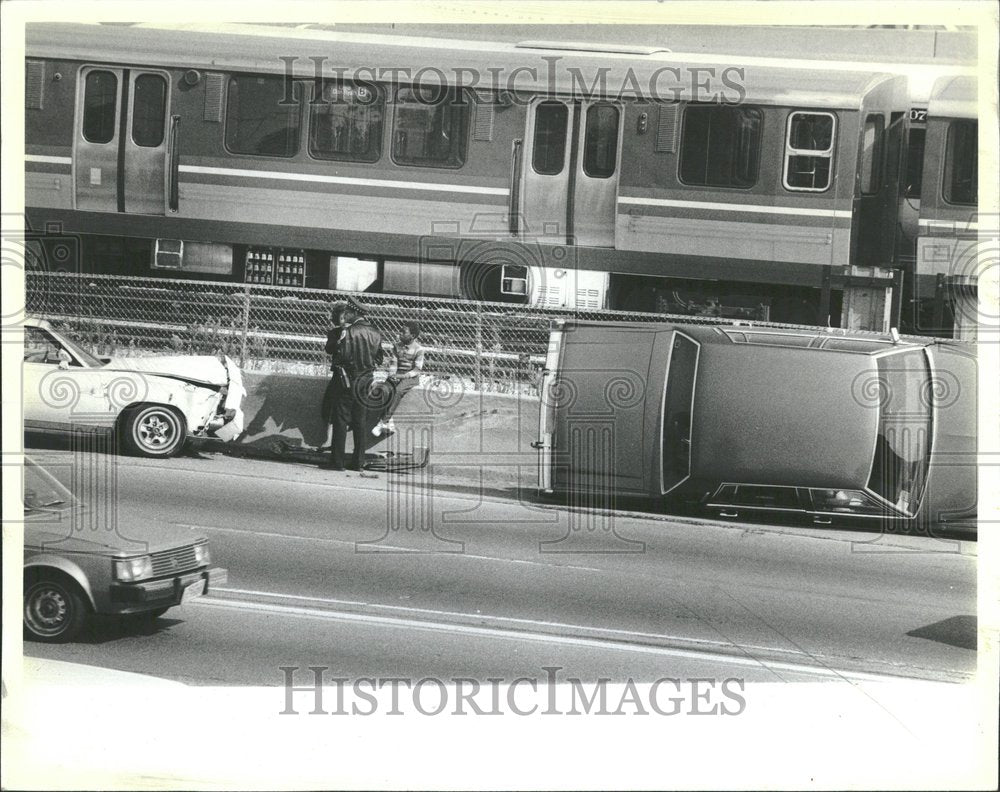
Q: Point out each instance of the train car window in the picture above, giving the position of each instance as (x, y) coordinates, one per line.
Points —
(149, 110)
(259, 119)
(809, 151)
(600, 141)
(677, 406)
(430, 127)
(871, 154)
(961, 163)
(720, 146)
(915, 162)
(347, 123)
(549, 143)
(100, 103)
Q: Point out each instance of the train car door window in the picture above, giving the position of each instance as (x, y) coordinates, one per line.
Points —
(809, 145)
(346, 123)
(120, 148)
(915, 162)
(259, 119)
(720, 146)
(149, 110)
(549, 145)
(872, 142)
(100, 106)
(961, 163)
(600, 141)
(430, 127)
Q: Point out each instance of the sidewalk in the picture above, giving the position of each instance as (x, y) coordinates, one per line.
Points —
(473, 437)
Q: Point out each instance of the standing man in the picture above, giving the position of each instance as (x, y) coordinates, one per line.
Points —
(333, 334)
(357, 352)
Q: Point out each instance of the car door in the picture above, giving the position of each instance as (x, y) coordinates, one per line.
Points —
(59, 391)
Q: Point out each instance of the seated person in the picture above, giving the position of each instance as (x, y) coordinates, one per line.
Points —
(409, 365)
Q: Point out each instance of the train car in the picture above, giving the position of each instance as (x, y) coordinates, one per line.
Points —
(543, 173)
(949, 255)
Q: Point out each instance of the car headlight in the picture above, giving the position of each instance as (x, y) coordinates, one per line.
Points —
(132, 569)
(201, 554)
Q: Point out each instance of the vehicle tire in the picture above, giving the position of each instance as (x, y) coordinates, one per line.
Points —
(153, 430)
(54, 610)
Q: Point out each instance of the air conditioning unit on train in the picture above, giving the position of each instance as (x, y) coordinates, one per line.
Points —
(568, 288)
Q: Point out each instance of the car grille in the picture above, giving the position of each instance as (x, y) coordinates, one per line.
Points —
(171, 562)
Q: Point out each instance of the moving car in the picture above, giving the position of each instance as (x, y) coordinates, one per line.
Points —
(742, 420)
(154, 403)
(72, 571)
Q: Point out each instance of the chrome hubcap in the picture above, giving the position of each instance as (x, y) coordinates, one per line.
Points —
(154, 431)
(46, 611)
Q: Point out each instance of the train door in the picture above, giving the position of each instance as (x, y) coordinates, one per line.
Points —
(121, 141)
(869, 198)
(569, 172)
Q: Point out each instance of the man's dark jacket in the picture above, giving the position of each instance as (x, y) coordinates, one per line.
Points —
(359, 349)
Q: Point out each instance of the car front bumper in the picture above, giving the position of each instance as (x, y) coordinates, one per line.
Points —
(164, 592)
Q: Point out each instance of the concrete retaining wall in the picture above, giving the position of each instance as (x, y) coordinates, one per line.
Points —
(469, 433)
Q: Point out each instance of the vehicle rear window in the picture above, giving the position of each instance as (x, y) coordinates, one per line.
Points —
(899, 468)
(677, 406)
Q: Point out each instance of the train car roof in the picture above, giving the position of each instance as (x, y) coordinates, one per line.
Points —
(954, 97)
(655, 74)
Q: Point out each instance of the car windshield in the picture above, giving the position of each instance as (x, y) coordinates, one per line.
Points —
(899, 468)
(42, 493)
(40, 346)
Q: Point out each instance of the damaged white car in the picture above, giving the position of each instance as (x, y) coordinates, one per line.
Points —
(154, 404)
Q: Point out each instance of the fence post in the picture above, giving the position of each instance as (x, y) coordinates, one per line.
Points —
(479, 347)
(246, 325)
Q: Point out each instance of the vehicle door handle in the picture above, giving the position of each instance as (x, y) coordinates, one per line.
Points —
(514, 210)
(728, 514)
(174, 159)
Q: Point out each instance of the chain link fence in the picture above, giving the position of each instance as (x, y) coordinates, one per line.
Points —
(495, 347)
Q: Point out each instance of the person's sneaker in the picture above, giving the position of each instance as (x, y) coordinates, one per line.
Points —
(391, 426)
(377, 431)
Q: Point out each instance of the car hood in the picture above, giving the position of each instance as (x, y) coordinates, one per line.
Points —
(199, 369)
(127, 538)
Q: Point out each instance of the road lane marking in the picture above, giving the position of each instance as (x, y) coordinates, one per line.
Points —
(521, 629)
(387, 548)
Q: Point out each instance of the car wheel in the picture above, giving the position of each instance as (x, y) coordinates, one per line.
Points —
(153, 430)
(54, 611)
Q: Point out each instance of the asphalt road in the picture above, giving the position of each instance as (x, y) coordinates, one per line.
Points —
(385, 576)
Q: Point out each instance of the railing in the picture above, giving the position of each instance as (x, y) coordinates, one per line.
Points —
(491, 346)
